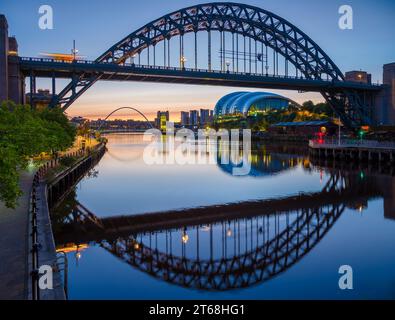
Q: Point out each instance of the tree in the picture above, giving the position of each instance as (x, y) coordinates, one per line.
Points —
(26, 133)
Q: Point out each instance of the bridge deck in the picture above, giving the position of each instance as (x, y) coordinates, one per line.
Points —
(49, 68)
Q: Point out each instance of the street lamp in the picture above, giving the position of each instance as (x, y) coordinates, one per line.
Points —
(134, 56)
(185, 238)
(183, 60)
(74, 51)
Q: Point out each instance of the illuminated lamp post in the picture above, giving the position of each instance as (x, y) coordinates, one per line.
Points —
(227, 66)
(185, 237)
(74, 51)
(183, 60)
(134, 56)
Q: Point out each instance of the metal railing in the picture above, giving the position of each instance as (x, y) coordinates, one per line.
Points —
(157, 67)
(35, 245)
(351, 143)
(33, 209)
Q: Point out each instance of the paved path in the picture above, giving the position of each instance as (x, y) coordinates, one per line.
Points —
(14, 245)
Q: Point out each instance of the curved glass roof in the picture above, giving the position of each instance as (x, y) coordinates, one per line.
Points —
(241, 102)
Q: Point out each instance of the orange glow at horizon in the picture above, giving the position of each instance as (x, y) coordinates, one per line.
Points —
(149, 98)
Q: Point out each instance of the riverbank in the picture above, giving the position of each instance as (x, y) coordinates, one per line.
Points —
(26, 238)
(48, 177)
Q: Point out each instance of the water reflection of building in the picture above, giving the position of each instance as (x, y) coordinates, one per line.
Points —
(382, 177)
(387, 185)
(268, 160)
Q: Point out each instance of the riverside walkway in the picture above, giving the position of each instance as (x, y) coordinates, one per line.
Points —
(14, 245)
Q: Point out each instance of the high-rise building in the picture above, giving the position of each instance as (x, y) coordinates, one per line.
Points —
(194, 118)
(162, 119)
(204, 116)
(388, 95)
(184, 119)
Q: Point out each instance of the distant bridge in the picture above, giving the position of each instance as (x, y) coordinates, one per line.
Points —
(107, 131)
(126, 108)
(257, 49)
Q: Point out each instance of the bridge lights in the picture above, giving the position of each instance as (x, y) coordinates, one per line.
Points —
(185, 238)
(78, 255)
(183, 59)
(74, 51)
(134, 56)
(229, 233)
(227, 66)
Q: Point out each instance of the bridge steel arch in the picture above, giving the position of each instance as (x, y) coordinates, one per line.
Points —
(240, 19)
(126, 108)
(254, 265)
(248, 269)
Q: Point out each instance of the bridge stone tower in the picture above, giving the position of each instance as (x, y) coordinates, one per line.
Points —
(3, 58)
(389, 93)
(12, 84)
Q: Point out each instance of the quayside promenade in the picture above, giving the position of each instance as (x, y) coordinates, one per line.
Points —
(26, 238)
(14, 245)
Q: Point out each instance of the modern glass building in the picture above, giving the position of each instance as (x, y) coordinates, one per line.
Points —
(249, 103)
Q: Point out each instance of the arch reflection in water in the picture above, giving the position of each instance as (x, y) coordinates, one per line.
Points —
(221, 247)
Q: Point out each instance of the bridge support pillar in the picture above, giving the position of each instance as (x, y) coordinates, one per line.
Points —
(3, 58)
(11, 80)
(16, 81)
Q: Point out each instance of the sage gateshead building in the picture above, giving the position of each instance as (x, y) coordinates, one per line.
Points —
(250, 103)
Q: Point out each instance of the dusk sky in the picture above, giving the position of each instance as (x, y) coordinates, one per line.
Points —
(97, 25)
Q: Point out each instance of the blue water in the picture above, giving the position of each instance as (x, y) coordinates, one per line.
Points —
(362, 237)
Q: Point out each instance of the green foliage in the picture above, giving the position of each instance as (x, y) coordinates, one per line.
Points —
(67, 161)
(25, 133)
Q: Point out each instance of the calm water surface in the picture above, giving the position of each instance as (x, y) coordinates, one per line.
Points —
(272, 243)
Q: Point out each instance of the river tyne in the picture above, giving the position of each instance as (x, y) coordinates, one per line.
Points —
(281, 232)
